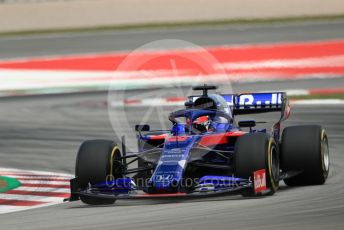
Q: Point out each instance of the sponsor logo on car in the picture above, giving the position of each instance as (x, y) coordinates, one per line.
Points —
(259, 181)
(164, 177)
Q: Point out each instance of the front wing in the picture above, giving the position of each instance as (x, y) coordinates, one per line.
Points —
(97, 192)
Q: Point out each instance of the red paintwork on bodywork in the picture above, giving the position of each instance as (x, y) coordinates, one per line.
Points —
(219, 138)
(207, 140)
(158, 137)
(178, 138)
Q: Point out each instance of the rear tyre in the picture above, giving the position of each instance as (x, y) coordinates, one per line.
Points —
(305, 148)
(95, 163)
(257, 151)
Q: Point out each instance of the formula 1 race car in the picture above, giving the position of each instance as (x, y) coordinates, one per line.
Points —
(205, 153)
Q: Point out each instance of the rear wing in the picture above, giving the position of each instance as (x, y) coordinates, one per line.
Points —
(250, 103)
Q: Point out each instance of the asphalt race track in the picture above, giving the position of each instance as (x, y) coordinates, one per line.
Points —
(43, 133)
(107, 41)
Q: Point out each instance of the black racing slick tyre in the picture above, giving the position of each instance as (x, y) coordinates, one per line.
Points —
(256, 151)
(305, 149)
(95, 163)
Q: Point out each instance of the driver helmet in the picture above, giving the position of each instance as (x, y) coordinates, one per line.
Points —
(202, 123)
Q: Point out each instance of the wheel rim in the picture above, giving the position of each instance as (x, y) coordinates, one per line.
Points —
(274, 164)
(326, 154)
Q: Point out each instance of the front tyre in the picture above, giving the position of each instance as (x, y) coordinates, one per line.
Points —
(96, 163)
(255, 151)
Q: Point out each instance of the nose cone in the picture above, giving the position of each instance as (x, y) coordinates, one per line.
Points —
(169, 172)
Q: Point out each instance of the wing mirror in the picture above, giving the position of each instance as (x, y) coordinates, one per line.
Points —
(139, 128)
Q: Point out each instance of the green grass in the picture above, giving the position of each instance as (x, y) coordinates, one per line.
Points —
(176, 25)
(319, 96)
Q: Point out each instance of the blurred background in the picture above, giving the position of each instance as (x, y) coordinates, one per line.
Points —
(80, 43)
(28, 15)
